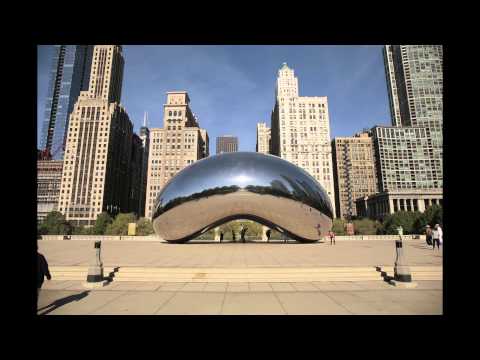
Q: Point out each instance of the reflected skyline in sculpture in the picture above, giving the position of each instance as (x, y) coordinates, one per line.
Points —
(246, 185)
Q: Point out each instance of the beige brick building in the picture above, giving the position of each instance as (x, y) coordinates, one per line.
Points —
(263, 138)
(354, 171)
(49, 177)
(178, 144)
(96, 173)
(301, 130)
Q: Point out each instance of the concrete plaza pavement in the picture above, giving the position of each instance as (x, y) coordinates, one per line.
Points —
(216, 298)
(322, 298)
(275, 254)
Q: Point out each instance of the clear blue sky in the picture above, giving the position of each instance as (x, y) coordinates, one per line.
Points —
(233, 87)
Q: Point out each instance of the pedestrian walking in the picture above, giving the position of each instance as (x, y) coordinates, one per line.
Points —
(221, 236)
(440, 234)
(428, 235)
(268, 235)
(331, 234)
(233, 235)
(437, 231)
(43, 272)
(243, 232)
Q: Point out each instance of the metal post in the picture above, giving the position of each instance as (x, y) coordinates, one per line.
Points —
(95, 270)
(402, 276)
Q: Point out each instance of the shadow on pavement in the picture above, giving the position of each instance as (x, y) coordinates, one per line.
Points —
(60, 302)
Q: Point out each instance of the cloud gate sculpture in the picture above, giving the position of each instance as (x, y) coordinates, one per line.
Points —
(242, 185)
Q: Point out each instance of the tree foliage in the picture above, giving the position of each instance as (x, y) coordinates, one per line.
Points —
(144, 227)
(405, 219)
(339, 226)
(101, 224)
(55, 224)
(366, 226)
(433, 215)
(120, 225)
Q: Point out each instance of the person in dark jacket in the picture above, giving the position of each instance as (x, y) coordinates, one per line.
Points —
(221, 236)
(268, 234)
(243, 232)
(42, 272)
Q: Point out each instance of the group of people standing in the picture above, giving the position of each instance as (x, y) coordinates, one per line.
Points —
(243, 231)
(434, 236)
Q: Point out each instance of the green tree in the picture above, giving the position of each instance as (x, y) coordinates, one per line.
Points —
(55, 224)
(120, 225)
(103, 220)
(431, 216)
(366, 226)
(81, 230)
(338, 226)
(405, 219)
(144, 227)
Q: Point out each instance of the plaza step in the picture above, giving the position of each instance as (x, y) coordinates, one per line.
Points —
(419, 272)
(245, 274)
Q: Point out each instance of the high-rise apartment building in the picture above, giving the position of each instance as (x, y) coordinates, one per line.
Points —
(300, 130)
(69, 74)
(227, 144)
(415, 88)
(263, 138)
(178, 144)
(354, 171)
(405, 158)
(49, 177)
(97, 164)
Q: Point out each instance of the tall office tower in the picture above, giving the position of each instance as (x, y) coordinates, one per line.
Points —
(301, 130)
(69, 74)
(49, 176)
(96, 171)
(178, 144)
(263, 138)
(415, 88)
(404, 158)
(145, 137)
(227, 144)
(135, 173)
(354, 171)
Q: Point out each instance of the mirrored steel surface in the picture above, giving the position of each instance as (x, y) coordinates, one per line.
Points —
(242, 185)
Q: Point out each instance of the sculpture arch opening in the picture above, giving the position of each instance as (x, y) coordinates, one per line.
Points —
(242, 185)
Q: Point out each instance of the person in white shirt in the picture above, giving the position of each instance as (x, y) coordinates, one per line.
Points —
(437, 236)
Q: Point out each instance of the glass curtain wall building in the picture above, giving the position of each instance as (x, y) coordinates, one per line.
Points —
(69, 74)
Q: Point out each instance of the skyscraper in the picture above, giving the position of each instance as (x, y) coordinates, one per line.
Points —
(301, 130)
(97, 164)
(415, 88)
(226, 144)
(263, 138)
(69, 74)
(49, 177)
(178, 144)
(354, 171)
(145, 137)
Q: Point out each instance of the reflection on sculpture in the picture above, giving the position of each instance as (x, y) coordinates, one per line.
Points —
(242, 185)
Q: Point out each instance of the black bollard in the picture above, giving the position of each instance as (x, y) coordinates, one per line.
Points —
(402, 276)
(95, 270)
